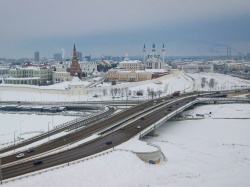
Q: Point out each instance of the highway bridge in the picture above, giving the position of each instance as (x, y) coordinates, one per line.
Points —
(118, 128)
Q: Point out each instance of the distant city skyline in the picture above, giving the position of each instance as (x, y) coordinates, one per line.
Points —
(114, 27)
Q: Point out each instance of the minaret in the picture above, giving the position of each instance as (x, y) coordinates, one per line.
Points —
(144, 54)
(126, 57)
(153, 48)
(163, 53)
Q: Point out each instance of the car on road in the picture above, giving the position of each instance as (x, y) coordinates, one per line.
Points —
(37, 162)
(167, 111)
(142, 118)
(109, 142)
(30, 150)
(138, 127)
(20, 155)
(176, 93)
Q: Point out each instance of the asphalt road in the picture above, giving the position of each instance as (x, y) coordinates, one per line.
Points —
(96, 146)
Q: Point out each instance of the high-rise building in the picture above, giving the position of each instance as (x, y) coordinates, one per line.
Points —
(75, 66)
(79, 56)
(58, 57)
(36, 56)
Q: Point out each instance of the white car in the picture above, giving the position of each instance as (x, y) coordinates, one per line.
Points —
(138, 127)
(21, 155)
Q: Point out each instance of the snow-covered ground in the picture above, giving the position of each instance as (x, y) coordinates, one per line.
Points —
(167, 86)
(208, 152)
(28, 125)
(222, 82)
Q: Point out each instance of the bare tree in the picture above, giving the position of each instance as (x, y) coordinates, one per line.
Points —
(112, 92)
(126, 91)
(211, 83)
(115, 91)
(119, 91)
(203, 82)
(151, 93)
(122, 92)
(104, 92)
(159, 92)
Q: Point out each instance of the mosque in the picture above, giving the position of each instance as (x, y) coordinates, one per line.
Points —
(154, 61)
(136, 70)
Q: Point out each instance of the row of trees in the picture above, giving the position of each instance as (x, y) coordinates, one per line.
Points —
(125, 92)
(210, 83)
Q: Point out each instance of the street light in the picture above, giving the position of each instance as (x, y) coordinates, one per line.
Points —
(112, 137)
(67, 150)
(48, 129)
(1, 177)
(20, 128)
(14, 139)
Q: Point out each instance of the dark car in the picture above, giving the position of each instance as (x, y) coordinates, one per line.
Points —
(30, 150)
(37, 162)
(142, 118)
(109, 142)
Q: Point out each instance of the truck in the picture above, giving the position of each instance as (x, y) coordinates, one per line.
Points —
(176, 93)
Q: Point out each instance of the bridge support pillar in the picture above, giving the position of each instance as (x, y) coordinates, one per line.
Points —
(152, 133)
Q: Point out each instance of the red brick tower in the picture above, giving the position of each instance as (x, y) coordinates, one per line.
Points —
(75, 66)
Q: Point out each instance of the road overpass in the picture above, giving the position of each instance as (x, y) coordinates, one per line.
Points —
(120, 127)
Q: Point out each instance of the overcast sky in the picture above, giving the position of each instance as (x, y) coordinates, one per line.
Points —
(112, 27)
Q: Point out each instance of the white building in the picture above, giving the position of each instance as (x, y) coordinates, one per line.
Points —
(29, 75)
(88, 67)
(154, 61)
(61, 72)
(130, 64)
(198, 67)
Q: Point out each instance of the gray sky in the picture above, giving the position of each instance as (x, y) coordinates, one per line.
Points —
(112, 27)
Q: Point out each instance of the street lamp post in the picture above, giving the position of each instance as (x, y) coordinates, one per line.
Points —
(48, 129)
(20, 128)
(67, 150)
(1, 178)
(14, 139)
(112, 137)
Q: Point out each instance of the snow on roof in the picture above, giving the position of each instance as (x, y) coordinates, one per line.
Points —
(25, 78)
(76, 81)
(155, 70)
(130, 62)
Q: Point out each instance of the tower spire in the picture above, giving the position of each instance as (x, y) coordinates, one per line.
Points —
(144, 53)
(126, 57)
(163, 54)
(153, 48)
(74, 52)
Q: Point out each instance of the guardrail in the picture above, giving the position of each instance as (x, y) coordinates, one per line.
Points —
(25, 176)
(63, 126)
(225, 99)
(157, 146)
(163, 120)
(167, 117)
